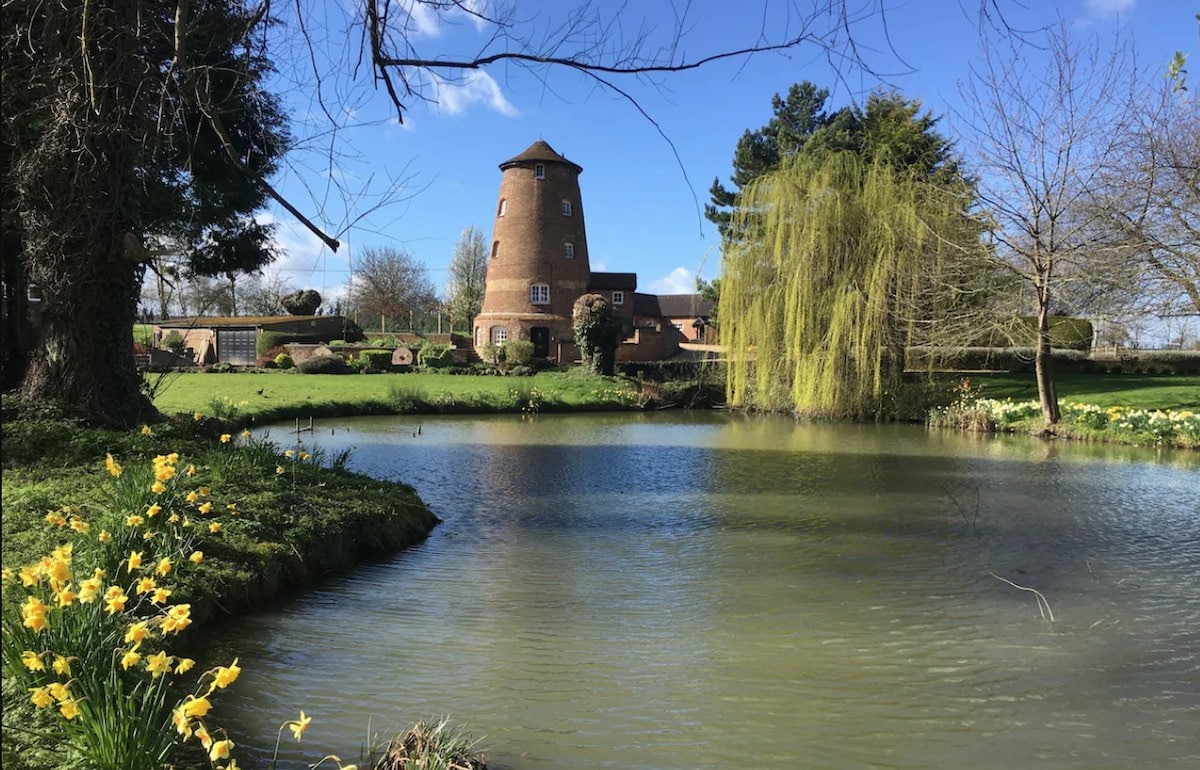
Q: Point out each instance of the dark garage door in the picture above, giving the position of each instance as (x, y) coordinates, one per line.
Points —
(236, 346)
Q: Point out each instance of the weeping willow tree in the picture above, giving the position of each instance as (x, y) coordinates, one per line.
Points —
(837, 267)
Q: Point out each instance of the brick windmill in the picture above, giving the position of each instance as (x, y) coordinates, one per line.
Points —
(539, 257)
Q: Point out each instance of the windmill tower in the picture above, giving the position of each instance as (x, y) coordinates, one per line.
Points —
(539, 259)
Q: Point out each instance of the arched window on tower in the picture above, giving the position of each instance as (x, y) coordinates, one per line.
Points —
(495, 249)
(566, 207)
(539, 294)
(503, 207)
(499, 335)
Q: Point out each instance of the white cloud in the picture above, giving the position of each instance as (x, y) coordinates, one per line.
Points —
(304, 260)
(455, 96)
(1107, 8)
(426, 20)
(678, 281)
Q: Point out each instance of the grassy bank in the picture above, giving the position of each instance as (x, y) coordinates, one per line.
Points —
(237, 521)
(1135, 391)
(263, 397)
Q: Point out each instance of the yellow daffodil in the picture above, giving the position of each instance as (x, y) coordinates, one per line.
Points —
(195, 707)
(158, 487)
(226, 438)
(246, 433)
(80, 526)
(185, 665)
(231, 507)
(33, 614)
(177, 619)
(40, 696)
(192, 496)
(289, 453)
(135, 560)
(56, 518)
(305, 455)
(173, 518)
(196, 557)
(148, 535)
(7, 575)
(180, 720)
(137, 632)
(215, 527)
(32, 661)
(145, 585)
(191, 470)
(30, 576)
(220, 750)
(203, 491)
(135, 520)
(227, 675)
(164, 566)
(158, 664)
(279, 470)
(66, 597)
(164, 472)
(160, 595)
(146, 430)
(203, 736)
(114, 467)
(104, 537)
(89, 590)
(115, 599)
(298, 726)
(62, 666)
(130, 659)
(206, 508)
(69, 709)
(58, 691)
(197, 416)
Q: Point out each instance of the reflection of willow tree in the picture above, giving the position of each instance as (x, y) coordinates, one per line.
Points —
(832, 282)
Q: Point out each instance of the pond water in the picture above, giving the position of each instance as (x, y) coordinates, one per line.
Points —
(680, 590)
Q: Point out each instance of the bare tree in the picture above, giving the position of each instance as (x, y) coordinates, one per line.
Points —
(468, 271)
(1148, 209)
(264, 295)
(389, 283)
(1043, 125)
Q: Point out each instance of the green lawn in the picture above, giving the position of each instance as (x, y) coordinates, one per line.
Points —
(269, 396)
(1138, 391)
(143, 334)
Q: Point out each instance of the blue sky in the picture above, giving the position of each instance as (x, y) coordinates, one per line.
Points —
(642, 206)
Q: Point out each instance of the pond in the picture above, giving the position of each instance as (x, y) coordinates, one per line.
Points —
(679, 590)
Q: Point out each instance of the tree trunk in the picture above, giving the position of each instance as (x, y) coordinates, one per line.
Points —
(1043, 367)
(74, 193)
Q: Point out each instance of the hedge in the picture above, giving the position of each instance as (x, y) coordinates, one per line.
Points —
(323, 365)
(376, 359)
(435, 356)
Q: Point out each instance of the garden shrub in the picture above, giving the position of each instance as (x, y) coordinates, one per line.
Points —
(267, 342)
(284, 361)
(173, 340)
(265, 362)
(376, 359)
(435, 356)
(492, 353)
(522, 371)
(518, 352)
(323, 365)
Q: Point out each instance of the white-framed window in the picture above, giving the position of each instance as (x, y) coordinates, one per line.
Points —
(569, 251)
(478, 336)
(566, 207)
(539, 171)
(503, 207)
(499, 335)
(618, 298)
(495, 249)
(539, 294)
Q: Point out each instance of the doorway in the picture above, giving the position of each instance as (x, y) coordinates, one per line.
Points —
(540, 337)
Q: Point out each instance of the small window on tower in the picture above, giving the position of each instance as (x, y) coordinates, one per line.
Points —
(503, 207)
(618, 298)
(539, 171)
(539, 294)
(569, 251)
(499, 335)
(566, 208)
(495, 249)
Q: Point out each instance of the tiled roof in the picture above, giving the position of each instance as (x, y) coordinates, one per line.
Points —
(646, 305)
(627, 281)
(540, 151)
(684, 305)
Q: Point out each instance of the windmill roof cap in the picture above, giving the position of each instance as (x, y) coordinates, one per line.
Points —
(540, 152)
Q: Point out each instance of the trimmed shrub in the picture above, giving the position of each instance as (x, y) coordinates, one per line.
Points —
(284, 361)
(173, 340)
(518, 352)
(323, 365)
(435, 356)
(492, 353)
(271, 343)
(376, 359)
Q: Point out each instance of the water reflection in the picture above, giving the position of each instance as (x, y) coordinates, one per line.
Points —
(682, 591)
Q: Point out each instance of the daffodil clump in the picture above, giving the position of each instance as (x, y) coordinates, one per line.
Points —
(1117, 423)
(90, 637)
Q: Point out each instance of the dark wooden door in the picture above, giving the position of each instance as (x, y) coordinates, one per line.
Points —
(540, 337)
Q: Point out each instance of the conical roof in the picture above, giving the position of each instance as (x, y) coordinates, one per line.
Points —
(540, 152)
